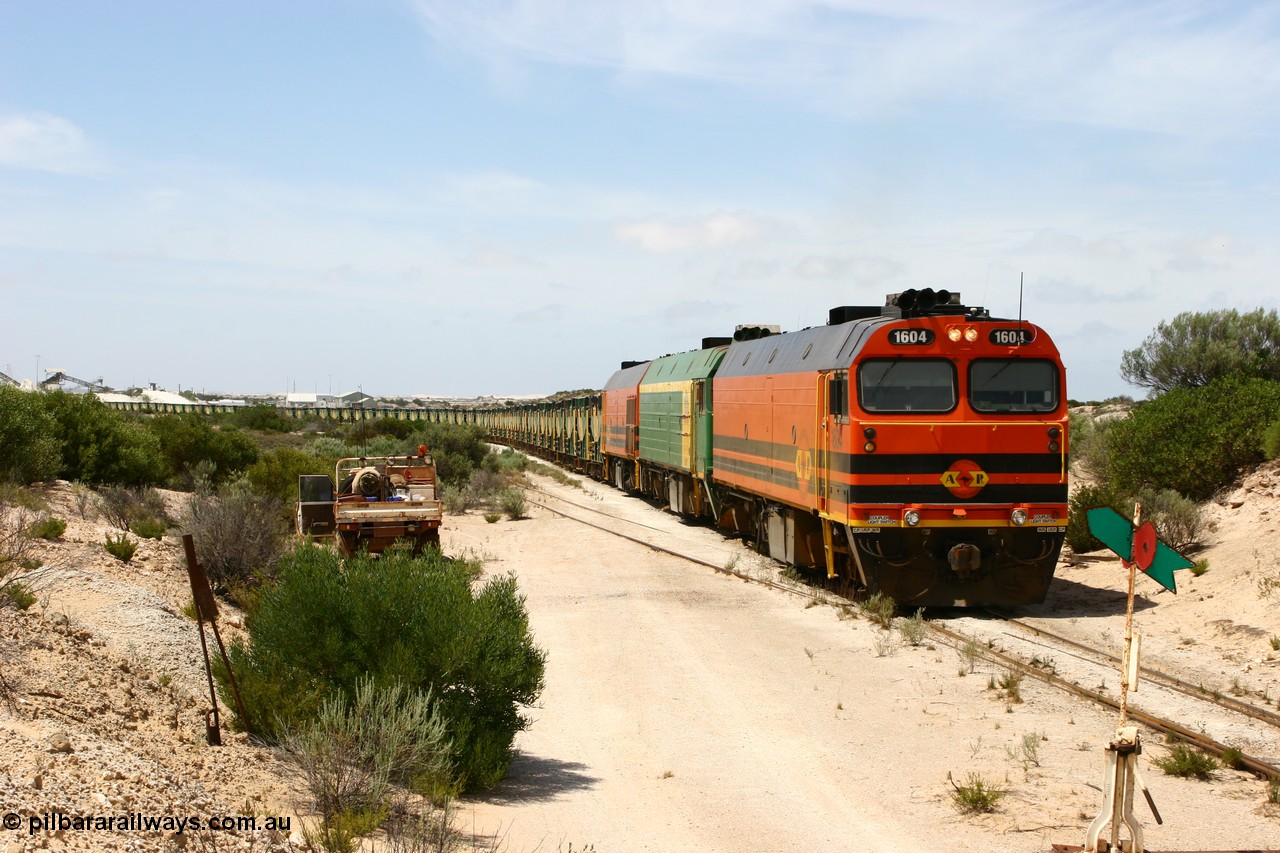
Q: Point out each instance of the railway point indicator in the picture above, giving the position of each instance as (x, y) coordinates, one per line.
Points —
(1138, 547)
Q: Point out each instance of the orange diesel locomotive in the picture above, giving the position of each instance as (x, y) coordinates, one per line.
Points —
(917, 449)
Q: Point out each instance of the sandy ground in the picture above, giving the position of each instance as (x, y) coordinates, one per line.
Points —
(684, 711)
(689, 711)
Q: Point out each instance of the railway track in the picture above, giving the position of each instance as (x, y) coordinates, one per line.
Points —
(1252, 730)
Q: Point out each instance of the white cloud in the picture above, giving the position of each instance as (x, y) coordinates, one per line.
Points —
(1192, 67)
(713, 232)
(46, 143)
(1105, 248)
(861, 270)
(493, 257)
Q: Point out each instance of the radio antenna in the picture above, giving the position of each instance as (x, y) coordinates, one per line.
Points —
(1020, 278)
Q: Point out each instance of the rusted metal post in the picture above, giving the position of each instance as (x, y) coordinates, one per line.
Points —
(212, 731)
(1132, 565)
(207, 608)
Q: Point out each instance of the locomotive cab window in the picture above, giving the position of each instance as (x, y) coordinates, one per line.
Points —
(907, 385)
(1013, 385)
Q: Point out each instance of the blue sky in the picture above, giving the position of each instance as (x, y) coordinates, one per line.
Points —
(453, 198)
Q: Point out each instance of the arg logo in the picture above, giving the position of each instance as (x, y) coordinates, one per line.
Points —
(964, 478)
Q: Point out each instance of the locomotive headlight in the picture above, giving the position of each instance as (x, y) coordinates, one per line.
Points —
(1018, 517)
(971, 334)
(954, 334)
(869, 447)
(911, 517)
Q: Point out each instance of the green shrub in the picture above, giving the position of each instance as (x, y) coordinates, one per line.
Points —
(880, 609)
(493, 517)
(1195, 441)
(276, 472)
(1089, 439)
(121, 547)
(1233, 757)
(1196, 348)
(415, 621)
(1177, 520)
(1081, 501)
(48, 528)
(29, 451)
(511, 501)
(149, 528)
(99, 445)
(356, 749)
(1271, 441)
(1200, 567)
(976, 795)
(17, 594)
(485, 486)
(123, 506)
(262, 418)
(914, 628)
(457, 448)
(188, 440)
(1184, 761)
(508, 461)
(456, 499)
(239, 535)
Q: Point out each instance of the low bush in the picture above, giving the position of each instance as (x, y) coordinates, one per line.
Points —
(123, 506)
(456, 499)
(148, 528)
(17, 594)
(914, 628)
(239, 535)
(1177, 520)
(276, 472)
(262, 418)
(121, 547)
(880, 609)
(398, 619)
(457, 448)
(1081, 501)
(511, 501)
(189, 440)
(48, 528)
(1271, 441)
(356, 749)
(976, 795)
(1186, 762)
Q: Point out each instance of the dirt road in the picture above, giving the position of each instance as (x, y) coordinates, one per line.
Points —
(689, 711)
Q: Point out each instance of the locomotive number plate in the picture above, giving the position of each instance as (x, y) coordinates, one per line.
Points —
(1011, 337)
(911, 337)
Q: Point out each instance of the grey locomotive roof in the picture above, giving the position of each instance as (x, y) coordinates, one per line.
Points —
(628, 377)
(818, 348)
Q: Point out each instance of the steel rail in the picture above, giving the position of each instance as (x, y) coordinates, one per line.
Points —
(725, 570)
(1169, 681)
(1250, 762)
